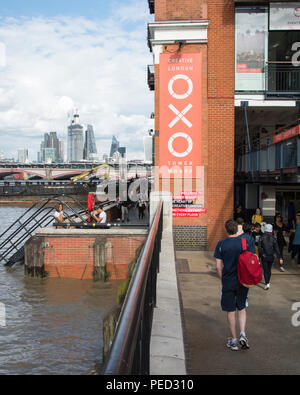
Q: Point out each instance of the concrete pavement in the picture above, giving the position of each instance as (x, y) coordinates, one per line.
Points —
(274, 341)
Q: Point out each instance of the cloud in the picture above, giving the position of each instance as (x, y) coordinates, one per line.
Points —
(54, 65)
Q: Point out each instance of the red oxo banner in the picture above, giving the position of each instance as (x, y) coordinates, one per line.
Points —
(180, 92)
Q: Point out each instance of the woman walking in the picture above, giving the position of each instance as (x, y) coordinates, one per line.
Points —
(279, 230)
(268, 247)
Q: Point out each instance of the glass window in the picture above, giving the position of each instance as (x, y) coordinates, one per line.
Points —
(251, 35)
(289, 153)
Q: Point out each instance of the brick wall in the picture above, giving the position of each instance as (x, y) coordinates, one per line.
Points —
(217, 114)
(220, 117)
(73, 257)
(180, 10)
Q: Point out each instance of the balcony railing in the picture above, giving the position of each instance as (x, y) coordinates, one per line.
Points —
(282, 78)
(151, 79)
(151, 6)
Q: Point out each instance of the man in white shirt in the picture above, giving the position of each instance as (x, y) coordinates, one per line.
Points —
(99, 216)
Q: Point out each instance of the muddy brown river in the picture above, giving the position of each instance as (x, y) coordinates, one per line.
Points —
(52, 326)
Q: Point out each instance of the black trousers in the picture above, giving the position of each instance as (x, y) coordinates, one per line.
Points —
(296, 251)
(267, 263)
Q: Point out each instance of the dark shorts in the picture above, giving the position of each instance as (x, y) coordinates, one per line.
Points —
(235, 299)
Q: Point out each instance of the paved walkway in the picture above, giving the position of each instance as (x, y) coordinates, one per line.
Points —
(274, 341)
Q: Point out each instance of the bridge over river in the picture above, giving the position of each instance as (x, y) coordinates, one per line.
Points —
(66, 171)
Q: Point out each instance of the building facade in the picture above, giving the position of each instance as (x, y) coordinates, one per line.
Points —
(90, 149)
(23, 156)
(114, 146)
(51, 149)
(75, 140)
(226, 78)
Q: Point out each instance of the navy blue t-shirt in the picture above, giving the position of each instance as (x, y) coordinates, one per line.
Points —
(229, 251)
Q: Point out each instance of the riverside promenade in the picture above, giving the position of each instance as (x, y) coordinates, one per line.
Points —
(189, 329)
(274, 341)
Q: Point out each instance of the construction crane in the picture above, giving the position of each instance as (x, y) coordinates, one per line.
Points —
(87, 174)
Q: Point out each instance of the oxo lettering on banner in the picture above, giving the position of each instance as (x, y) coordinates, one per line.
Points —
(180, 92)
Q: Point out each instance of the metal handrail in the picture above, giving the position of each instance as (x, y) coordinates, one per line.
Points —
(130, 351)
(28, 222)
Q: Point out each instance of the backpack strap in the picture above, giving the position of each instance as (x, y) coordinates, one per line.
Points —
(244, 244)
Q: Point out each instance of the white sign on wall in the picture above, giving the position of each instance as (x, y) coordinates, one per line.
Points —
(285, 16)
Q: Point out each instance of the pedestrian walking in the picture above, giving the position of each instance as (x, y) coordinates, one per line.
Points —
(234, 296)
(291, 213)
(124, 209)
(296, 240)
(268, 247)
(240, 222)
(257, 233)
(279, 232)
(247, 234)
(141, 206)
(239, 213)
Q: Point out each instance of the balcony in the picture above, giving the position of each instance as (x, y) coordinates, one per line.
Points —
(151, 6)
(151, 79)
(277, 161)
(282, 80)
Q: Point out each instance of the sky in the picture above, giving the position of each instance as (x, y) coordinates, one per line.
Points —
(59, 56)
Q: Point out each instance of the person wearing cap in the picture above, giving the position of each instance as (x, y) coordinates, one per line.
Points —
(268, 247)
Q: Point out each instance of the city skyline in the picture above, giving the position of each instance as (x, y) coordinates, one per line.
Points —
(58, 60)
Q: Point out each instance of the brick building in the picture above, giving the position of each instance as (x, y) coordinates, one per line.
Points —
(227, 80)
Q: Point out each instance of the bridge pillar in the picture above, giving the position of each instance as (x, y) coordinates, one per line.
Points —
(49, 175)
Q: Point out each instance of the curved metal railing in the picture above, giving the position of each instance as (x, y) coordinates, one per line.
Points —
(130, 350)
(12, 240)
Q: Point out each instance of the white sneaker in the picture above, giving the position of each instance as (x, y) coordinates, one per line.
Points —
(233, 345)
(282, 269)
(267, 286)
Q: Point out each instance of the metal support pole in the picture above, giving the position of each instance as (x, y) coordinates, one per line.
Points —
(245, 105)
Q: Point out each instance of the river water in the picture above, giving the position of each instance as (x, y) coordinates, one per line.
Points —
(52, 326)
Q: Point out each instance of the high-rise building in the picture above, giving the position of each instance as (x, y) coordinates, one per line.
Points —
(114, 146)
(122, 151)
(90, 148)
(23, 155)
(49, 155)
(61, 151)
(75, 140)
(148, 149)
(51, 141)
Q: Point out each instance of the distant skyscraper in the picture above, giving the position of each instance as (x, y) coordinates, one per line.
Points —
(49, 155)
(122, 151)
(90, 148)
(23, 156)
(61, 151)
(114, 146)
(75, 140)
(50, 142)
(148, 149)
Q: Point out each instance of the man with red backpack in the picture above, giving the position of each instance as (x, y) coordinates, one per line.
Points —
(234, 297)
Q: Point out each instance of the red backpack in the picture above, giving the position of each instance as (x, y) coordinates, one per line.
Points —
(249, 269)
